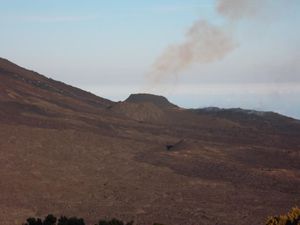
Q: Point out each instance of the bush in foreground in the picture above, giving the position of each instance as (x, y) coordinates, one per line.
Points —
(291, 218)
(52, 220)
(113, 222)
(63, 220)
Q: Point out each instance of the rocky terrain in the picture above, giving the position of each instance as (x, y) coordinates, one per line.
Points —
(67, 151)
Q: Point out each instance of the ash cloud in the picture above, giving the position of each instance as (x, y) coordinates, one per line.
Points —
(204, 42)
(238, 9)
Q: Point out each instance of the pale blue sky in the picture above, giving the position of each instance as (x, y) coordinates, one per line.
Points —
(108, 47)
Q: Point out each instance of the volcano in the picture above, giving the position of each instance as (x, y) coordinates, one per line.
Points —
(67, 151)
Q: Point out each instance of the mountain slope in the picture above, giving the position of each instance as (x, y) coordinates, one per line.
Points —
(27, 92)
(12, 74)
(66, 151)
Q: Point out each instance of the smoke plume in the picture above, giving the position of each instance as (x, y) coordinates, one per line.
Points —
(204, 42)
(238, 9)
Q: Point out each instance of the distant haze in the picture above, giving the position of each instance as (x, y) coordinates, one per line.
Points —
(228, 53)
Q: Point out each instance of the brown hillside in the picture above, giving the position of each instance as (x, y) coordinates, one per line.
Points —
(67, 151)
